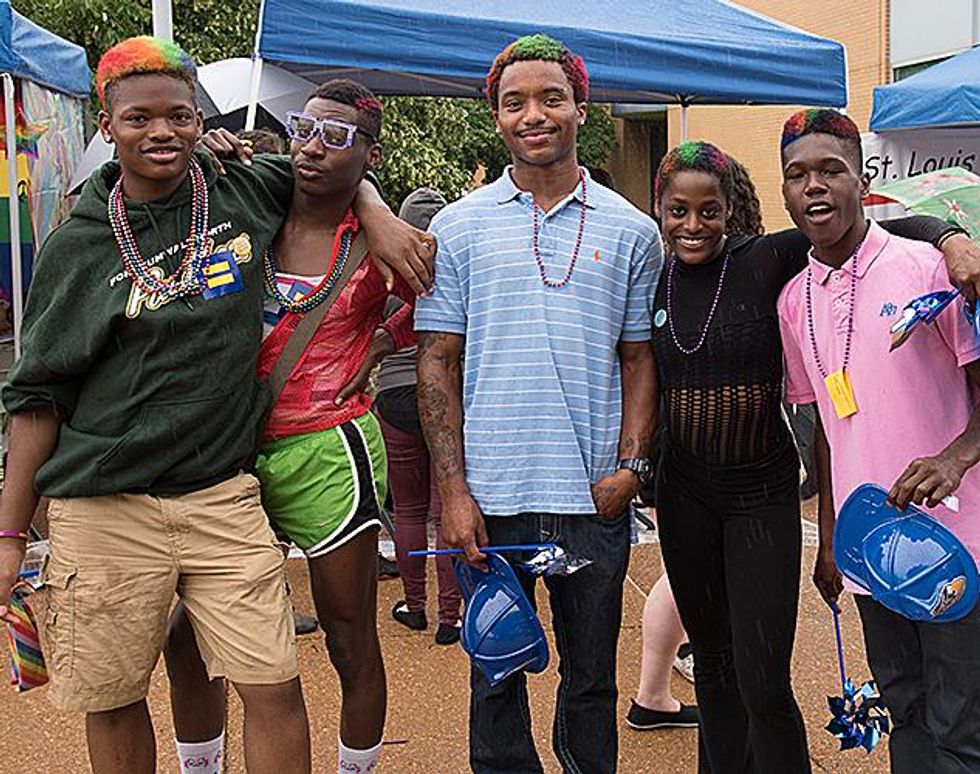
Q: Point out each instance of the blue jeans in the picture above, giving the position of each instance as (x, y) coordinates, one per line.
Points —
(586, 611)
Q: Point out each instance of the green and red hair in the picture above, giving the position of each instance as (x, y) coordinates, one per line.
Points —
(733, 178)
(538, 48)
(818, 121)
(824, 121)
(696, 155)
(143, 55)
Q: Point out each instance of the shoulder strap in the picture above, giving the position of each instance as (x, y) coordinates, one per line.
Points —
(302, 334)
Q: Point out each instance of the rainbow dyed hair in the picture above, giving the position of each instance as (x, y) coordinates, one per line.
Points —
(699, 156)
(823, 121)
(143, 55)
(696, 155)
(358, 96)
(538, 48)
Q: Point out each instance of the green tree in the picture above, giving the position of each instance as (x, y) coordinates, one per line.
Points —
(439, 142)
(207, 29)
(422, 139)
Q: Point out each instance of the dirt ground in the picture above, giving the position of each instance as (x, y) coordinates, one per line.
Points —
(428, 697)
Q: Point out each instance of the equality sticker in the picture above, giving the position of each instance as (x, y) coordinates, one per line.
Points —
(222, 276)
(660, 318)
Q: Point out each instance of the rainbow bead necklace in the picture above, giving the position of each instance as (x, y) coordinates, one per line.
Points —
(551, 283)
(319, 294)
(188, 278)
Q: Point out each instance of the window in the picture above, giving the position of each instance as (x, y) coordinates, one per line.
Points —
(907, 71)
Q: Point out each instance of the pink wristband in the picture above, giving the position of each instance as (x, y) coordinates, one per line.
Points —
(16, 534)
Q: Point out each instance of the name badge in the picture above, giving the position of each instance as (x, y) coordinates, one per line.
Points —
(841, 393)
(222, 276)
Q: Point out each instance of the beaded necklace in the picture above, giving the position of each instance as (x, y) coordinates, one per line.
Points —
(711, 311)
(551, 283)
(319, 294)
(850, 315)
(188, 278)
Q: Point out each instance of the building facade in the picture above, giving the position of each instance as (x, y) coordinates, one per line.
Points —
(884, 39)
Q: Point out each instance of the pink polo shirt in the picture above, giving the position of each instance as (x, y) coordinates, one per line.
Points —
(911, 402)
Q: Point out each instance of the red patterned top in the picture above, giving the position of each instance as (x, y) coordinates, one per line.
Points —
(336, 351)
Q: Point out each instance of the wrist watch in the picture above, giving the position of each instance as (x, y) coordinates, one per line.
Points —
(638, 466)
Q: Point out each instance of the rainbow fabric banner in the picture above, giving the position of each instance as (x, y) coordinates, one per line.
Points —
(26, 228)
(27, 668)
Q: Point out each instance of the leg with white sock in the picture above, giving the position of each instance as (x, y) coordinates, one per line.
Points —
(354, 761)
(201, 757)
(197, 703)
(345, 586)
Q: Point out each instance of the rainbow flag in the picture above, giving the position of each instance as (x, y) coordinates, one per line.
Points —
(27, 668)
(26, 134)
(26, 228)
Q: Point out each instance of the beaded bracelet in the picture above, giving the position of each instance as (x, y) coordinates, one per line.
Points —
(16, 534)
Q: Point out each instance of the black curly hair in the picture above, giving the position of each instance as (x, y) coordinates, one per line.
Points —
(746, 215)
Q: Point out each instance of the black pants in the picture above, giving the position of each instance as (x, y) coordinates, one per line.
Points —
(929, 677)
(586, 611)
(731, 541)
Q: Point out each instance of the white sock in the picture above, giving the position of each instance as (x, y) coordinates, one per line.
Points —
(357, 761)
(201, 757)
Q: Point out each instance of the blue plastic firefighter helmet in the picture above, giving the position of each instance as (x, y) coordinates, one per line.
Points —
(910, 562)
(501, 632)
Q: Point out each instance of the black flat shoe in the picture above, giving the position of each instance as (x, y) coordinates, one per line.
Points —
(406, 617)
(448, 634)
(304, 624)
(387, 569)
(643, 719)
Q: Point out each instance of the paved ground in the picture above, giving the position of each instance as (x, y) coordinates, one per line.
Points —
(426, 729)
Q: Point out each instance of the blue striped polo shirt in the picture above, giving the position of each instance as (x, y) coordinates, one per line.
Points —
(542, 396)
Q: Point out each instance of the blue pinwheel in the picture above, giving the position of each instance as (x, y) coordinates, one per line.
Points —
(859, 717)
(924, 310)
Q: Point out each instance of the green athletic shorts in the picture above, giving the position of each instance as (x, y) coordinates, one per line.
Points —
(321, 489)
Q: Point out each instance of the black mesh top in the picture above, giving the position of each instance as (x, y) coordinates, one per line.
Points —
(722, 403)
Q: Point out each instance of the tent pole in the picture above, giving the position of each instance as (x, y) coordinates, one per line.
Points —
(13, 207)
(253, 90)
(683, 122)
(253, 93)
(163, 22)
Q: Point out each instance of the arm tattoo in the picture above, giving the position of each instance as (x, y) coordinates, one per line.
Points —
(640, 399)
(440, 403)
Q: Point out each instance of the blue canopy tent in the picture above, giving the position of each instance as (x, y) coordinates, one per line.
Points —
(31, 53)
(946, 94)
(656, 51)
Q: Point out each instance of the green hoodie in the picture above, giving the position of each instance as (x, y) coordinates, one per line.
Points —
(155, 398)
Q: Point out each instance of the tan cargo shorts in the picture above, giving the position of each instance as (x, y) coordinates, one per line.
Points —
(118, 560)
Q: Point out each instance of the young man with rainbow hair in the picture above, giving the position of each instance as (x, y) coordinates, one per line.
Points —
(544, 279)
(135, 405)
(915, 403)
(544, 49)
